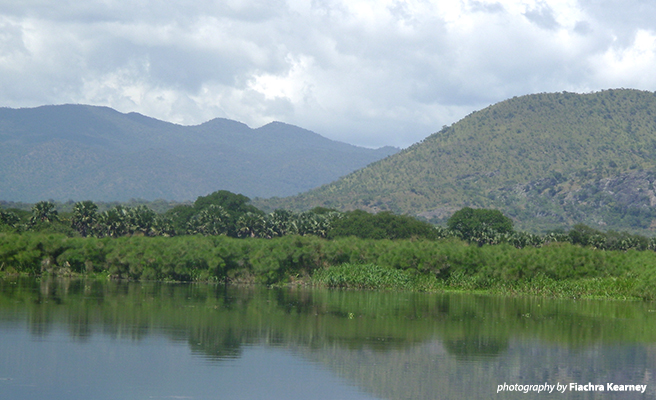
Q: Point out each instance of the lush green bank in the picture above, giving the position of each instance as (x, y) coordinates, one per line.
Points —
(554, 270)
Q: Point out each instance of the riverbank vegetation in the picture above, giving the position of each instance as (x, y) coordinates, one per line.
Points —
(222, 238)
(559, 269)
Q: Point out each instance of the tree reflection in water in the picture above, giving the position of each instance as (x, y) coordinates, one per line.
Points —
(390, 344)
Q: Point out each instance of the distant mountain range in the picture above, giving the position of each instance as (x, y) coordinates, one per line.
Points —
(83, 152)
(548, 160)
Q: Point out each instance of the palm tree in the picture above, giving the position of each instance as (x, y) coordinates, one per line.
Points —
(212, 220)
(114, 222)
(140, 220)
(9, 218)
(162, 226)
(251, 225)
(85, 215)
(281, 223)
(310, 223)
(44, 211)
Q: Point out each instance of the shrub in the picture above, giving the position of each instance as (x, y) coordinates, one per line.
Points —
(471, 223)
(383, 225)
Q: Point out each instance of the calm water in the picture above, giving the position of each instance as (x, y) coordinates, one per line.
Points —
(89, 340)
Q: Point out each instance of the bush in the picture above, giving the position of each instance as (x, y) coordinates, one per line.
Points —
(471, 223)
(452, 262)
(383, 225)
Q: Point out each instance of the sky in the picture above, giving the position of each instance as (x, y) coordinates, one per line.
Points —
(366, 72)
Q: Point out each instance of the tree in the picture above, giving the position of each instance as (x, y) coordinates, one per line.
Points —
(474, 223)
(383, 225)
(236, 205)
(113, 222)
(231, 202)
(282, 223)
(9, 218)
(162, 226)
(212, 220)
(584, 235)
(44, 211)
(252, 225)
(180, 216)
(85, 216)
(141, 220)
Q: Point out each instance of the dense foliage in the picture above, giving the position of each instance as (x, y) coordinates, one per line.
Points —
(353, 249)
(220, 213)
(383, 225)
(470, 223)
(425, 264)
(214, 214)
(228, 214)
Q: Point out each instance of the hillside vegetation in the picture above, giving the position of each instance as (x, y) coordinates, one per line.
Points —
(546, 160)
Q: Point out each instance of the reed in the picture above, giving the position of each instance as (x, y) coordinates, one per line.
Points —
(560, 269)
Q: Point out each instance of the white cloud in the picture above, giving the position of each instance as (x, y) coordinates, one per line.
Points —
(631, 66)
(369, 72)
(294, 85)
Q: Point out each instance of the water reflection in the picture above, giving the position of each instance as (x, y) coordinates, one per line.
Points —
(475, 347)
(387, 345)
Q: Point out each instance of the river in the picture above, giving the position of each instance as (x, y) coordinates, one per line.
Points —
(77, 339)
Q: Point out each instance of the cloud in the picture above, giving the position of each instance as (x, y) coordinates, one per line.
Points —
(362, 71)
(543, 17)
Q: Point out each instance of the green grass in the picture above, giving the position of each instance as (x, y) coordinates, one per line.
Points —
(367, 276)
(370, 276)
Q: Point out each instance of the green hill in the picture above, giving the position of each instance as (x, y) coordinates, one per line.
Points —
(547, 160)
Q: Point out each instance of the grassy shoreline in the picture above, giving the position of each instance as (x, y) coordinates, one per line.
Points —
(620, 289)
(559, 270)
(371, 277)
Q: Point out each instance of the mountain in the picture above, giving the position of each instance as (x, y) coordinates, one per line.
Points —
(85, 152)
(547, 160)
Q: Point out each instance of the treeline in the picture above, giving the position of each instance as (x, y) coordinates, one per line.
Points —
(491, 227)
(229, 214)
(220, 213)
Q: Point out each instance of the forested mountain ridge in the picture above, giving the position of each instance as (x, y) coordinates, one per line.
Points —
(547, 160)
(86, 152)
